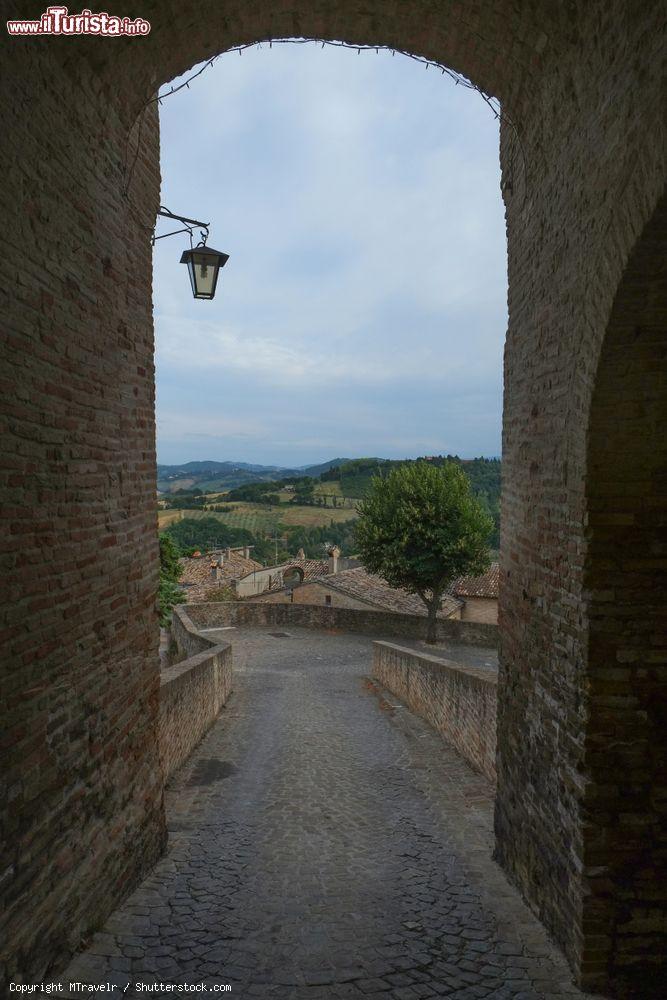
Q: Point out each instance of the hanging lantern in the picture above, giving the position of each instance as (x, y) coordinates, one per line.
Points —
(204, 264)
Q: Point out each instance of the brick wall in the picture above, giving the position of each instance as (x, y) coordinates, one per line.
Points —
(366, 622)
(460, 702)
(81, 819)
(594, 171)
(584, 83)
(625, 836)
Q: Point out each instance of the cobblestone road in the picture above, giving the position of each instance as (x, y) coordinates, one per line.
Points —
(325, 845)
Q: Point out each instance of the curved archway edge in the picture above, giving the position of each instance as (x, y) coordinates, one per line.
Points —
(625, 580)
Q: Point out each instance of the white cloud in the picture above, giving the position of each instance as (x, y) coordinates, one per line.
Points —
(359, 199)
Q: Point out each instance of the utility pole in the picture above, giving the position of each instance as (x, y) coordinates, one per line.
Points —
(274, 539)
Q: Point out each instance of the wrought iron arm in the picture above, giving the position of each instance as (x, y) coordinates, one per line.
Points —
(189, 225)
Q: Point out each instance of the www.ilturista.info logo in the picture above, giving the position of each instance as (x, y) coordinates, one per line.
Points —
(58, 21)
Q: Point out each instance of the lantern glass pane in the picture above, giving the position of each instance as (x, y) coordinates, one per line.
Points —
(191, 272)
(205, 274)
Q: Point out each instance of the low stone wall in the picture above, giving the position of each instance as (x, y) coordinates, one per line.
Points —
(367, 622)
(459, 702)
(184, 632)
(192, 692)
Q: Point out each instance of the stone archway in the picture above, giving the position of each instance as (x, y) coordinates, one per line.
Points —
(625, 814)
(293, 575)
(582, 84)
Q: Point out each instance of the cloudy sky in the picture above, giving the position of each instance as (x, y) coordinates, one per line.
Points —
(363, 307)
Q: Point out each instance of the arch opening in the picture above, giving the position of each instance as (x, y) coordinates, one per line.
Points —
(625, 806)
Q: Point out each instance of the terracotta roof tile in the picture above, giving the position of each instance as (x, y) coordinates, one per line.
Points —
(478, 586)
(197, 578)
(311, 569)
(374, 590)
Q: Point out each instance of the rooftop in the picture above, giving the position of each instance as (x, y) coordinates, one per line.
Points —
(478, 586)
(364, 586)
(198, 572)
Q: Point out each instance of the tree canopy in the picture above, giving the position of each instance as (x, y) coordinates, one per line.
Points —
(169, 593)
(420, 527)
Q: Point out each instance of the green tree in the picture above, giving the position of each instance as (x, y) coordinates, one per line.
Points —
(304, 492)
(420, 527)
(169, 593)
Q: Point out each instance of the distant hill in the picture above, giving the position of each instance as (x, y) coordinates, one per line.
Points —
(217, 475)
(316, 470)
(351, 476)
(217, 467)
(228, 475)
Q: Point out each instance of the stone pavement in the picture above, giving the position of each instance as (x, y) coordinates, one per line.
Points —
(325, 843)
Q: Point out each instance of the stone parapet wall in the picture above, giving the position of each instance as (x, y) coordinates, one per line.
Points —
(460, 702)
(192, 691)
(192, 694)
(189, 642)
(381, 623)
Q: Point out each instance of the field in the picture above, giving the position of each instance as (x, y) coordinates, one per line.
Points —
(165, 517)
(333, 489)
(328, 488)
(258, 517)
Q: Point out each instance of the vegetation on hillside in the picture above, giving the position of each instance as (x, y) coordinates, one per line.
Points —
(262, 517)
(338, 487)
(355, 477)
(260, 492)
(212, 533)
(204, 533)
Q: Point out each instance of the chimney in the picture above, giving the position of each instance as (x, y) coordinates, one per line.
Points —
(228, 553)
(216, 571)
(246, 552)
(334, 553)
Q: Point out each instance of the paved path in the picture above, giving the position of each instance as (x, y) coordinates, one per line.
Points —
(324, 845)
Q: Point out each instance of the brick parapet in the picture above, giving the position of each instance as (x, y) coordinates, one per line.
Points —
(192, 694)
(459, 701)
(367, 622)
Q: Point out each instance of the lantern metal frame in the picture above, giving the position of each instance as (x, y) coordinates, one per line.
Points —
(218, 257)
(189, 225)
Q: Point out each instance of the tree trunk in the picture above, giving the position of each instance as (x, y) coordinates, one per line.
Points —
(432, 622)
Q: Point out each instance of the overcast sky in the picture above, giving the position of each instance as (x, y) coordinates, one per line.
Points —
(363, 308)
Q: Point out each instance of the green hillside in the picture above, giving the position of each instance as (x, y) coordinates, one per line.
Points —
(256, 498)
(353, 479)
